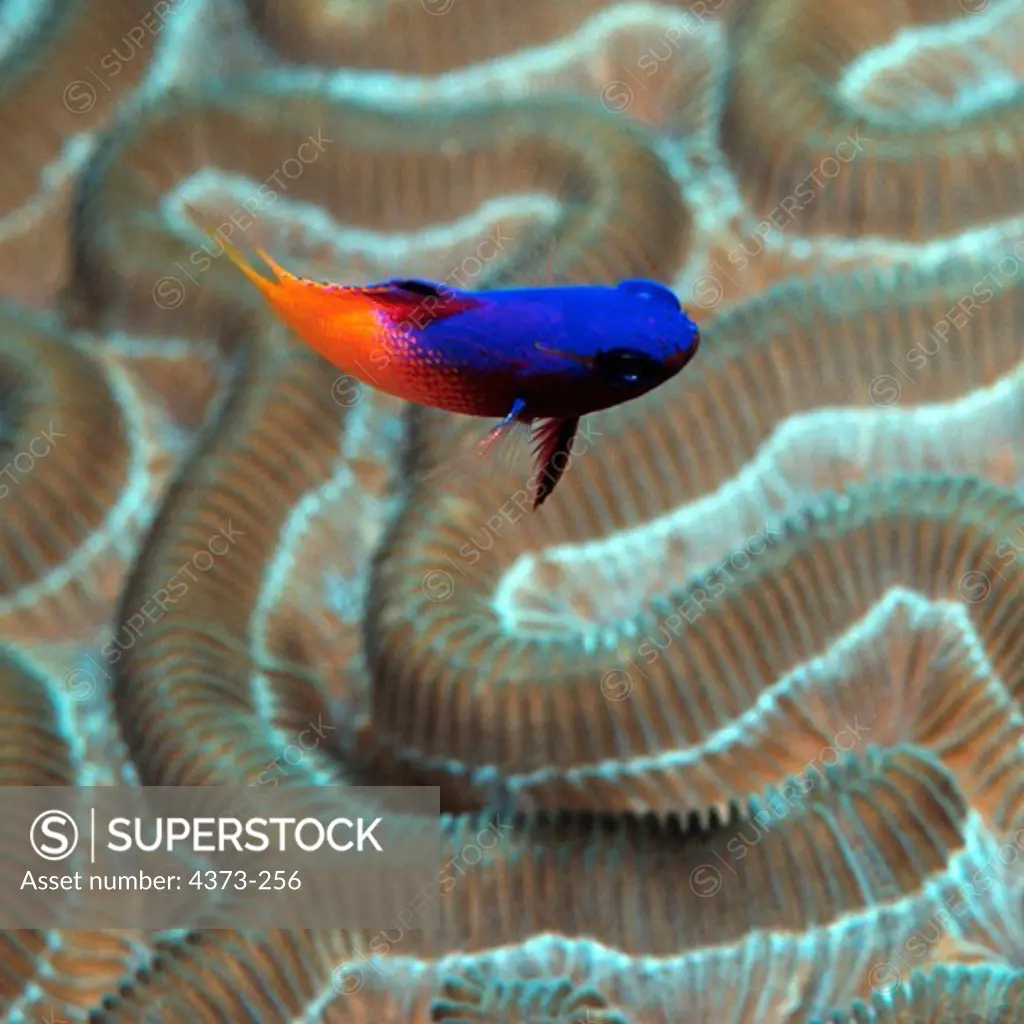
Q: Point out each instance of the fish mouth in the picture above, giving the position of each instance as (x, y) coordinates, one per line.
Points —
(679, 359)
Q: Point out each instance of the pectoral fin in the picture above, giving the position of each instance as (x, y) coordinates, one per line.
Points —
(553, 442)
(509, 423)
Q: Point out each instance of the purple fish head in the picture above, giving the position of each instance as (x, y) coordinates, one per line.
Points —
(641, 339)
(655, 336)
(600, 346)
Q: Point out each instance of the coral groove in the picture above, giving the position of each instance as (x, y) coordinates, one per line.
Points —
(427, 37)
(620, 210)
(434, 633)
(69, 512)
(731, 729)
(803, 149)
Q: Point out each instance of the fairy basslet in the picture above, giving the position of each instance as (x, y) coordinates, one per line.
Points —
(542, 357)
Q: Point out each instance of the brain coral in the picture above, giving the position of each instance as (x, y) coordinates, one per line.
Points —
(729, 730)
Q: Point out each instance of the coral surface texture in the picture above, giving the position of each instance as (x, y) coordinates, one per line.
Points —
(727, 730)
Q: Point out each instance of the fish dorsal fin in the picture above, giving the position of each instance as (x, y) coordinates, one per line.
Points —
(417, 286)
(419, 302)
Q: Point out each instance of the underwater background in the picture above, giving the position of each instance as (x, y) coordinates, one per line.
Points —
(771, 623)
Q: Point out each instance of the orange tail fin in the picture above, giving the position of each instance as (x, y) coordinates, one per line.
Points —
(339, 323)
(270, 287)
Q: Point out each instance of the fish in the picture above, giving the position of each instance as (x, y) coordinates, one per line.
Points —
(540, 357)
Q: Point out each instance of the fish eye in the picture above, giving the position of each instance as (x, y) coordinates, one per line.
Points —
(652, 291)
(628, 366)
